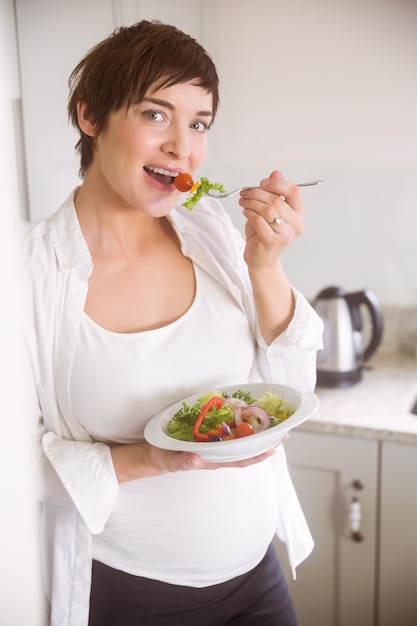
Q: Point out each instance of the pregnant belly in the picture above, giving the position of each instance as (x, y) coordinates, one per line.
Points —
(193, 528)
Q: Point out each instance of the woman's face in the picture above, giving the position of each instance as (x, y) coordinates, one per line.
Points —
(139, 151)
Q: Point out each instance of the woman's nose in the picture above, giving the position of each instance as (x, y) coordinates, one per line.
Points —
(177, 143)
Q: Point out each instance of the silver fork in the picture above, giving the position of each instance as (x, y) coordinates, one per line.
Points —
(215, 193)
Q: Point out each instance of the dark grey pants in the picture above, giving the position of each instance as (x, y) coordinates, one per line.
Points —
(258, 598)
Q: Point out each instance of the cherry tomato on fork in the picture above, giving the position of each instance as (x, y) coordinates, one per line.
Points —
(184, 181)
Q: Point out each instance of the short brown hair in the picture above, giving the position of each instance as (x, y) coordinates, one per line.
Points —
(119, 71)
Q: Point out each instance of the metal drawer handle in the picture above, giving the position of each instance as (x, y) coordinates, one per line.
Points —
(355, 513)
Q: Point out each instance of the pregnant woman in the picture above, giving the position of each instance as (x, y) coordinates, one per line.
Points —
(134, 303)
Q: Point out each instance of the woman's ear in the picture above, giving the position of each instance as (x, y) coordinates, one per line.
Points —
(85, 120)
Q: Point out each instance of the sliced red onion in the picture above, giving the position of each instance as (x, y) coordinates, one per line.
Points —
(237, 405)
(260, 418)
(226, 429)
(235, 402)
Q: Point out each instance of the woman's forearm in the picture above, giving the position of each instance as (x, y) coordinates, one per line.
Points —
(274, 300)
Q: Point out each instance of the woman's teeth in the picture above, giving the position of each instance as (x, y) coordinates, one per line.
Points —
(160, 170)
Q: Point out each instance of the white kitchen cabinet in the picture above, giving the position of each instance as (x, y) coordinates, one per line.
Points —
(335, 585)
(397, 595)
(372, 582)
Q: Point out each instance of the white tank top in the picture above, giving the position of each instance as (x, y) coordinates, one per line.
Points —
(118, 382)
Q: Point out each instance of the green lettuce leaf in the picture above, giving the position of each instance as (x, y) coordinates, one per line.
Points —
(204, 187)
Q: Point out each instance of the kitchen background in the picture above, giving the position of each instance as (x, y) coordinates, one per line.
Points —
(317, 88)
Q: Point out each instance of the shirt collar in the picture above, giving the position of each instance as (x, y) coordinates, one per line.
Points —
(70, 246)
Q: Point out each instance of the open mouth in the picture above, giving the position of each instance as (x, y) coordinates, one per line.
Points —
(165, 177)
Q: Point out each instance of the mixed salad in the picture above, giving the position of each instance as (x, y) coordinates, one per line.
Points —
(184, 182)
(222, 417)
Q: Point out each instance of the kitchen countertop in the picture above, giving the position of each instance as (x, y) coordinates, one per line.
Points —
(378, 407)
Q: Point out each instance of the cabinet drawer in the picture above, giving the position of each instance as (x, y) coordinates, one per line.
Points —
(335, 586)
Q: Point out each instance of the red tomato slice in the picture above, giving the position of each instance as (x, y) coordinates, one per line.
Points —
(183, 182)
(244, 430)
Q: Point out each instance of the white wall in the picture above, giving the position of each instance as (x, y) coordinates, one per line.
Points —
(317, 88)
(328, 89)
(19, 571)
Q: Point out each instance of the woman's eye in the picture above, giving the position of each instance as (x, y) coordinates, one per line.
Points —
(200, 127)
(154, 116)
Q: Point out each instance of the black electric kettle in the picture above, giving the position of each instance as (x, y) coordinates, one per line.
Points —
(341, 361)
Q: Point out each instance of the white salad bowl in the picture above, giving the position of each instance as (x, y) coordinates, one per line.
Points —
(304, 404)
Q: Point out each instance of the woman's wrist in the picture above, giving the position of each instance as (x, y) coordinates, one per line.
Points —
(274, 300)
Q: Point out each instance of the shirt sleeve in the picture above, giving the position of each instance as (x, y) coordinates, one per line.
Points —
(85, 471)
(67, 472)
(291, 358)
